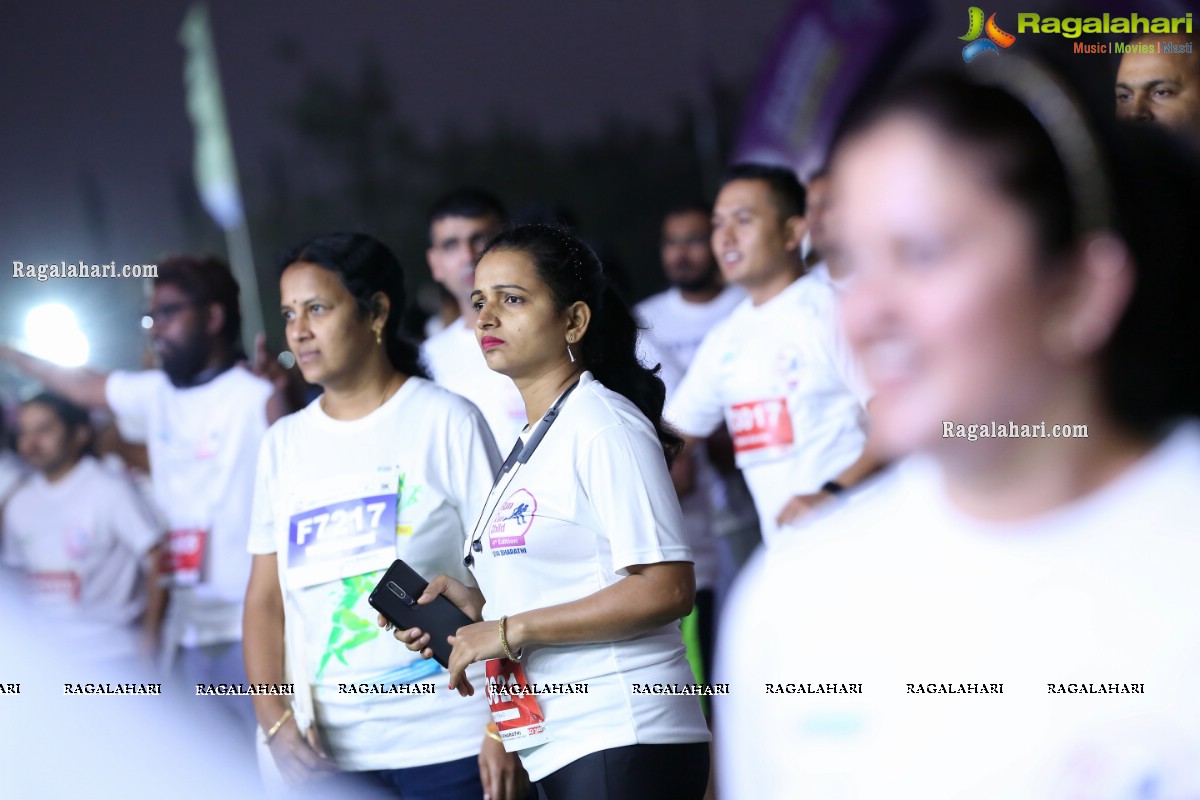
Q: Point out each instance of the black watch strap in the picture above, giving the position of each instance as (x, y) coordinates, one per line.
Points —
(832, 487)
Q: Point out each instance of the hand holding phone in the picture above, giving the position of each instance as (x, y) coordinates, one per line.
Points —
(395, 597)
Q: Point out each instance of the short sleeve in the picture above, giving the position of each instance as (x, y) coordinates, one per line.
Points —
(261, 539)
(132, 521)
(624, 475)
(131, 395)
(695, 408)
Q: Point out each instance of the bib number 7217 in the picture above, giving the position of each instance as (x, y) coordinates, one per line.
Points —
(760, 424)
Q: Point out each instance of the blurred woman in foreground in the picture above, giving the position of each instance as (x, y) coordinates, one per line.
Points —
(1012, 613)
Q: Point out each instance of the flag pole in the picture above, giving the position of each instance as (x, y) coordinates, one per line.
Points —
(215, 166)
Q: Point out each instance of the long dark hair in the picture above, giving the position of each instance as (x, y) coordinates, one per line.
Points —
(365, 266)
(1075, 170)
(573, 272)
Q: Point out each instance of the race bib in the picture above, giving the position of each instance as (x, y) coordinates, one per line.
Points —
(761, 429)
(515, 709)
(55, 589)
(181, 562)
(341, 539)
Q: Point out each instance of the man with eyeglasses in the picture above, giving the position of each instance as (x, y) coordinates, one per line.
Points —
(203, 415)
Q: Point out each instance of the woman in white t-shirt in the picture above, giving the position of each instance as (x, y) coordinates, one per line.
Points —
(583, 567)
(383, 465)
(1014, 612)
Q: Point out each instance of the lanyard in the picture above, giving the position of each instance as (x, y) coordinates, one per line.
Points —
(521, 453)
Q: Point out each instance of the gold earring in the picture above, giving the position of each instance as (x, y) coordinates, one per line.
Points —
(378, 336)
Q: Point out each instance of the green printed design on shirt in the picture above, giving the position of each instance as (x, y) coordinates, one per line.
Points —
(349, 629)
(404, 501)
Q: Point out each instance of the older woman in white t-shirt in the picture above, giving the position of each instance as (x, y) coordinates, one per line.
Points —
(582, 563)
(383, 465)
(1015, 612)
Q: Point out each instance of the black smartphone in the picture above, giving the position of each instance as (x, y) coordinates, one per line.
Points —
(395, 596)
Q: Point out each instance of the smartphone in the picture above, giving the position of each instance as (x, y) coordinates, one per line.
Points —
(395, 596)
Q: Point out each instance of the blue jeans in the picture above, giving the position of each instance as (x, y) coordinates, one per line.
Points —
(450, 780)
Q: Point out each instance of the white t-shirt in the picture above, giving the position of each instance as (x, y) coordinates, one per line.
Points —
(82, 541)
(783, 379)
(203, 444)
(594, 499)
(421, 464)
(456, 362)
(901, 589)
(681, 326)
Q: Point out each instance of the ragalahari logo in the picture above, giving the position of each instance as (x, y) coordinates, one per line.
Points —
(996, 38)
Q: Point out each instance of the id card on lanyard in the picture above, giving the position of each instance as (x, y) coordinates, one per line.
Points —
(515, 710)
(351, 532)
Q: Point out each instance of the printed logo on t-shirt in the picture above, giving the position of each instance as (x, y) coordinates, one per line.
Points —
(77, 541)
(510, 523)
(787, 366)
(209, 443)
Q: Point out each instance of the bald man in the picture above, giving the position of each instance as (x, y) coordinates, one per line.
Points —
(1162, 87)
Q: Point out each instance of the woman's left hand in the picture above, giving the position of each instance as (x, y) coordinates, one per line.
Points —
(476, 642)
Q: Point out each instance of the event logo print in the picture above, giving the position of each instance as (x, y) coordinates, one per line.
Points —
(512, 521)
(996, 38)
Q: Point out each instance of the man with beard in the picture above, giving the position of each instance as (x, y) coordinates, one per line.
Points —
(204, 416)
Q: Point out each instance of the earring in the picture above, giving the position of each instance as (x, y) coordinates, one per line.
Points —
(570, 355)
(378, 336)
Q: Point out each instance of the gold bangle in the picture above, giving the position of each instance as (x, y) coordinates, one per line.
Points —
(271, 734)
(494, 733)
(504, 643)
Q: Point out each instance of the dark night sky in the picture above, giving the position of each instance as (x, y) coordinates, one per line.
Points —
(93, 93)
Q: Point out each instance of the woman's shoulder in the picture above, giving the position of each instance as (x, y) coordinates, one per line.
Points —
(602, 412)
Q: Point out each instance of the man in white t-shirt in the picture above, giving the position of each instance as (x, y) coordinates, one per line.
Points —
(776, 370)
(460, 225)
(82, 536)
(204, 415)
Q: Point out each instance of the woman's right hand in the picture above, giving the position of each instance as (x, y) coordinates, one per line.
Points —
(467, 599)
(299, 757)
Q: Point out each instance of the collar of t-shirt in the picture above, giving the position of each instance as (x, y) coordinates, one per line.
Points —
(203, 376)
(66, 483)
(347, 425)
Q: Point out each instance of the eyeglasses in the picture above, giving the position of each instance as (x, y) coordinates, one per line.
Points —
(163, 313)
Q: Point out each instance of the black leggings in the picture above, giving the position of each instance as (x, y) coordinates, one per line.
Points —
(636, 772)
